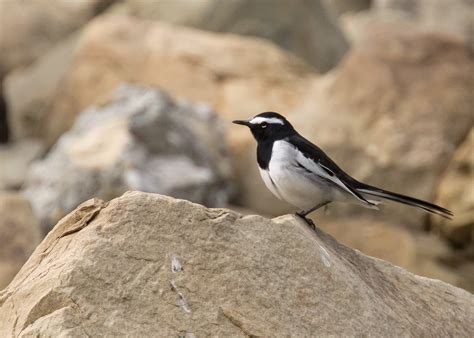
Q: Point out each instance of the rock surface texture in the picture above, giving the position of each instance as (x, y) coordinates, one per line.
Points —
(149, 265)
(19, 235)
(142, 140)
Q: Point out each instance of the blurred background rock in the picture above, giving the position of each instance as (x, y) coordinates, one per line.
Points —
(94, 92)
(142, 140)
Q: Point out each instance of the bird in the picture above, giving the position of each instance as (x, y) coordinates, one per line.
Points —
(300, 173)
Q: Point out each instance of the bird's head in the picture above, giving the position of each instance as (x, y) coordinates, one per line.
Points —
(268, 126)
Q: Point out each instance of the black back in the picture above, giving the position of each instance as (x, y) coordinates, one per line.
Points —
(313, 152)
(316, 154)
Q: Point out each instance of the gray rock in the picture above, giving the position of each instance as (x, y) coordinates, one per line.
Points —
(148, 265)
(143, 140)
(300, 26)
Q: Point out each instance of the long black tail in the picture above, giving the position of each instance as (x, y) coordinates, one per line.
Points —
(414, 202)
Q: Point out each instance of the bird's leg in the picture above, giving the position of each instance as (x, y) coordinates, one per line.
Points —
(308, 221)
(316, 207)
(304, 213)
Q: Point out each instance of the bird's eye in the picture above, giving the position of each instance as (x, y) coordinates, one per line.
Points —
(263, 124)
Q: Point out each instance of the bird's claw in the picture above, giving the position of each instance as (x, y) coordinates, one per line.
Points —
(307, 220)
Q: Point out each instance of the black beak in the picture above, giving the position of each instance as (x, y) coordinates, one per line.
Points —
(242, 122)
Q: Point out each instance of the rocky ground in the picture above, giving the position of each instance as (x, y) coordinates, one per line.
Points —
(148, 263)
(105, 96)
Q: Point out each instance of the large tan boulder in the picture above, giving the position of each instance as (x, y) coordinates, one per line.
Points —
(456, 191)
(146, 264)
(303, 27)
(19, 235)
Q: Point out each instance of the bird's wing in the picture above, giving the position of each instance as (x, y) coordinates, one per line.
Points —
(316, 162)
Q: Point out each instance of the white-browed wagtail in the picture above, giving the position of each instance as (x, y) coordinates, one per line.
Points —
(298, 172)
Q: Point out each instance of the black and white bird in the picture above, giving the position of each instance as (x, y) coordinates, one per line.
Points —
(298, 172)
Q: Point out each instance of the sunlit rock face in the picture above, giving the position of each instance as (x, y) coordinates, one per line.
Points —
(142, 140)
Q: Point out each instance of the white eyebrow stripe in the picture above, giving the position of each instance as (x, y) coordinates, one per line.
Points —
(260, 119)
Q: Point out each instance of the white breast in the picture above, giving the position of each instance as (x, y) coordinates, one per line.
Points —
(269, 182)
(290, 183)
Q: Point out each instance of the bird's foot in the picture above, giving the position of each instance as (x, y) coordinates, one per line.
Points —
(307, 220)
